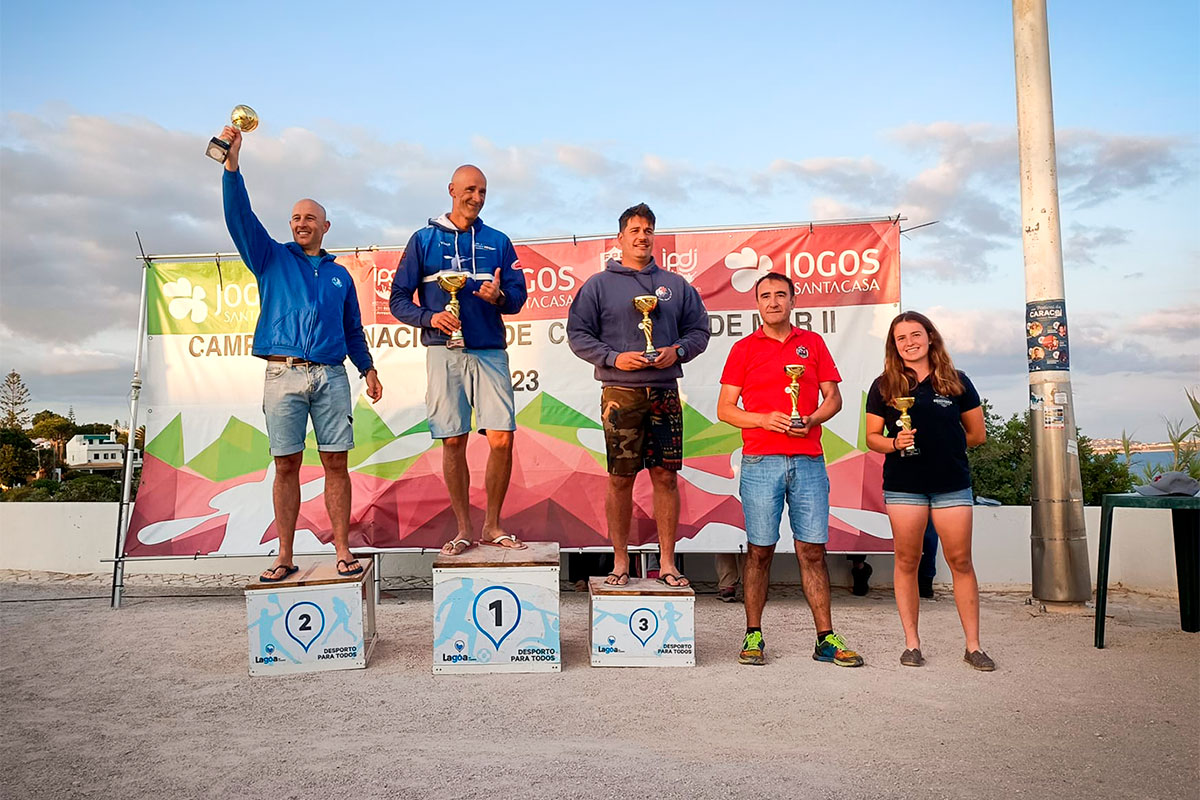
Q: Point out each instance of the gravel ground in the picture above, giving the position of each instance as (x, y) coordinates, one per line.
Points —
(155, 700)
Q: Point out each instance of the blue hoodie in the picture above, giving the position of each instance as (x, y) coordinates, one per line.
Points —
(602, 322)
(306, 311)
(480, 251)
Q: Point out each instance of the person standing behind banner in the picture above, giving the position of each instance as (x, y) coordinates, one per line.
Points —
(639, 397)
(935, 480)
(307, 325)
(474, 377)
(781, 462)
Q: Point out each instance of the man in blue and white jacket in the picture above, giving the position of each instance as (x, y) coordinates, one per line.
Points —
(475, 377)
(308, 322)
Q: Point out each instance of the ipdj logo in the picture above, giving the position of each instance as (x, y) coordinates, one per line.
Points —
(187, 301)
(748, 266)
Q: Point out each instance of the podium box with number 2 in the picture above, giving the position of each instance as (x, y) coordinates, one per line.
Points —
(312, 621)
(495, 609)
(642, 624)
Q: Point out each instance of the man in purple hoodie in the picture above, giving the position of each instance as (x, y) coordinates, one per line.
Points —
(639, 398)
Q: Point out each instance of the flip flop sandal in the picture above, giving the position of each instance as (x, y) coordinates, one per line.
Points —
(454, 543)
(517, 543)
(357, 570)
(679, 580)
(622, 579)
(288, 571)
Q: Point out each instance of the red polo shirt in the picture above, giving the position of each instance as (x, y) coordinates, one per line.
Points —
(756, 365)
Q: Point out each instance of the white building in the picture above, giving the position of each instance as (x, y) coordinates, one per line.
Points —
(97, 452)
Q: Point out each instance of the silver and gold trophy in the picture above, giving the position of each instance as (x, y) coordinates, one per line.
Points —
(245, 119)
(646, 303)
(795, 372)
(903, 404)
(451, 282)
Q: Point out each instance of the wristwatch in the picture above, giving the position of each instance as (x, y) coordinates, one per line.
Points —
(679, 351)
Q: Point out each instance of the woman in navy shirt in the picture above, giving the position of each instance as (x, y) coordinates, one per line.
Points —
(936, 479)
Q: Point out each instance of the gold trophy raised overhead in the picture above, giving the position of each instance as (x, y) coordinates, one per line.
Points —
(795, 372)
(903, 404)
(646, 303)
(451, 282)
(245, 119)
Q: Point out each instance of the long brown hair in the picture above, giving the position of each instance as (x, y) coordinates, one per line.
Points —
(899, 380)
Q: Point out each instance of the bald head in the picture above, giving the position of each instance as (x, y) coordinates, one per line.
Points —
(309, 225)
(468, 190)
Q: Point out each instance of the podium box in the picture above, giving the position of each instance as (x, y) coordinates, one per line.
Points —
(642, 624)
(312, 621)
(495, 609)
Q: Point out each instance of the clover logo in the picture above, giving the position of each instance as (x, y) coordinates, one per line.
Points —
(748, 267)
(186, 300)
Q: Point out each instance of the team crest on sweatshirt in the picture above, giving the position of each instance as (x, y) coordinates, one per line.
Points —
(337, 281)
(802, 351)
(663, 293)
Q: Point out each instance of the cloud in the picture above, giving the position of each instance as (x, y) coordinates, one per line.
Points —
(1177, 324)
(1085, 242)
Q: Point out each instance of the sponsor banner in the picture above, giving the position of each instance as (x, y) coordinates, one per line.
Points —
(206, 483)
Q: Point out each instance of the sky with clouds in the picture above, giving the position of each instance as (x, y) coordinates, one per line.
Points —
(712, 114)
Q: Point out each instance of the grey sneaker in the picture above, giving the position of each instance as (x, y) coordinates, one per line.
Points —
(912, 658)
(979, 660)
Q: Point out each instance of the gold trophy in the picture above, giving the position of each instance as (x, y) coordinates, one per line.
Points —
(646, 303)
(795, 372)
(903, 404)
(245, 119)
(451, 282)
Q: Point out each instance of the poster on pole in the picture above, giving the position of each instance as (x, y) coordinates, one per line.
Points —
(206, 482)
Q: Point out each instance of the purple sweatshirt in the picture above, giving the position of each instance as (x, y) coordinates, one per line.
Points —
(603, 322)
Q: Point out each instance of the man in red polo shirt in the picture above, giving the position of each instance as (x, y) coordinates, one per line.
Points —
(782, 460)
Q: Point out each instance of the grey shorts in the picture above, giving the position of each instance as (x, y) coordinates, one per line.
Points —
(461, 381)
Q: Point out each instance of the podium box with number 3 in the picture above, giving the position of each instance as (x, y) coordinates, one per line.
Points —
(642, 624)
(495, 609)
(312, 621)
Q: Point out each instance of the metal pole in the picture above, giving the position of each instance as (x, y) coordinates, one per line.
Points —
(123, 513)
(1058, 538)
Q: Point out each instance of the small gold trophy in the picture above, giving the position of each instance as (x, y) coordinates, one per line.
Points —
(451, 282)
(245, 119)
(903, 404)
(646, 303)
(795, 372)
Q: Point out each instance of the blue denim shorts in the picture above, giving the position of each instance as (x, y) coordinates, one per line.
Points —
(961, 497)
(292, 394)
(463, 380)
(768, 480)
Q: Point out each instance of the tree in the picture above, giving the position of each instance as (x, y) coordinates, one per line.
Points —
(94, 427)
(57, 429)
(17, 459)
(14, 401)
(89, 489)
(1001, 467)
(44, 414)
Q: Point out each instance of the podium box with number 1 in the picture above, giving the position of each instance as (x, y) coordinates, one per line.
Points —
(311, 621)
(495, 609)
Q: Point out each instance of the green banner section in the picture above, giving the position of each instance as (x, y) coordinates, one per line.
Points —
(201, 297)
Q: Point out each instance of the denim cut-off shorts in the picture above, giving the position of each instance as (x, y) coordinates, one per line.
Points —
(960, 497)
(292, 394)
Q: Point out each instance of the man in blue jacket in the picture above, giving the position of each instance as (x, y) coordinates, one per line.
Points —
(475, 377)
(308, 322)
(639, 398)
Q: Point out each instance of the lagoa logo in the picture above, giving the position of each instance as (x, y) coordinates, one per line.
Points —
(802, 351)
(270, 648)
(459, 645)
(611, 648)
(663, 293)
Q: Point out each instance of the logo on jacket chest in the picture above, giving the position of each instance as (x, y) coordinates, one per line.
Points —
(663, 293)
(802, 351)
(336, 281)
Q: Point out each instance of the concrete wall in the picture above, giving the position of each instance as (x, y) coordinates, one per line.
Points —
(74, 537)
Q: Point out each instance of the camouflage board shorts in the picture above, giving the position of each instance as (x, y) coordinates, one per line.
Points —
(642, 428)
